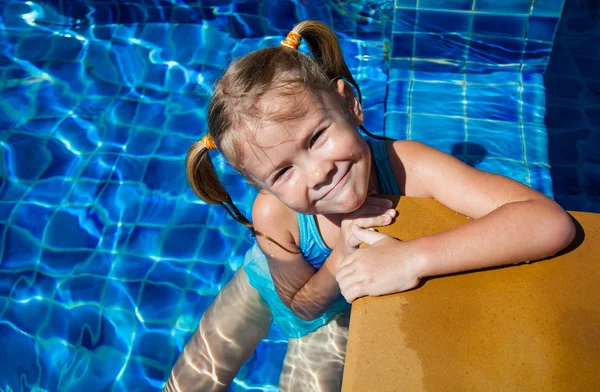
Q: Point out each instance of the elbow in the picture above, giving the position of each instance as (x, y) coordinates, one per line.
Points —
(564, 231)
(303, 311)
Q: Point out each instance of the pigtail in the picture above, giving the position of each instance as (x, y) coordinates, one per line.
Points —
(326, 52)
(203, 179)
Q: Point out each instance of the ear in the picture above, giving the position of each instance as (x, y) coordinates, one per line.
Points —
(345, 91)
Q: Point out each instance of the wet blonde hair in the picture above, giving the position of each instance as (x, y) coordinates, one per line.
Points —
(278, 70)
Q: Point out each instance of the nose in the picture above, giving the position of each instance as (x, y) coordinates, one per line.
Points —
(319, 172)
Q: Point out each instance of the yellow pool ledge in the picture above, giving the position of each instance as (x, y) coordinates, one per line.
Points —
(530, 327)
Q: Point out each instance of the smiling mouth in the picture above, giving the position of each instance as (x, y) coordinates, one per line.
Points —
(332, 190)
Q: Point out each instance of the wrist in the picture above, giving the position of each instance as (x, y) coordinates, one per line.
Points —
(422, 257)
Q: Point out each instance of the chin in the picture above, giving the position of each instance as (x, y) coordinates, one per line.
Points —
(352, 202)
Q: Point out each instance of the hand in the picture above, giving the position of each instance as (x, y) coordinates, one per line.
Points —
(374, 212)
(386, 266)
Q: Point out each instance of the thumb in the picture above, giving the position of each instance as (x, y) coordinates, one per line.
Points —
(367, 236)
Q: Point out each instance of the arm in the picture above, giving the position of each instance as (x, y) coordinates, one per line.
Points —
(512, 224)
(304, 289)
(308, 292)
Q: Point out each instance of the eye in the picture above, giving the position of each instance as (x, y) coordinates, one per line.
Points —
(316, 138)
(281, 174)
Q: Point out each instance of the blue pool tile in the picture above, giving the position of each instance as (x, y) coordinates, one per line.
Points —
(426, 129)
(129, 168)
(402, 44)
(64, 161)
(533, 105)
(567, 89)
(171, 272)
(21, 251)
(150, 115)
(121, 201)
(431, 21)
(398, 73)
(558, 64)
(437, 98)
(98, 263)
(536, 143)
(62, 262)
(541, 179)
(85, 289)
(564, 117)
(566, 181)
(207, 278)
(159, 302)
(70, 221)
(500, 25)
(29, 316)
(32, 218)
(52, 191)
(496, 50)
(156, 210)
(460, 5)
(532, 79)
(123, 296)
(6, 209)
(131, 267)
(80, 135)
(166, 175)
(500, 139)
(190, 213)
(542, 28)
(548, 7)
(397, 99)
(591, 182)
(537, 55)
(23, 369)
(174, 146)
(396, 125)
(493, 102)
(512, 169)
(438, 65)
(588, 66)
(452, 47)
(154, 345)
(143, 142)
(178, 243)
(145, 240)
(405, 3)
(564, 145)
(504, 7)
(20, 147)
(404, 20)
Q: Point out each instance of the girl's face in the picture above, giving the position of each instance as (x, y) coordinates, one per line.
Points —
(316, 163)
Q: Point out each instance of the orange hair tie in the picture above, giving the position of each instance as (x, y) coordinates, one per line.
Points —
(208, 142)
(292, 40)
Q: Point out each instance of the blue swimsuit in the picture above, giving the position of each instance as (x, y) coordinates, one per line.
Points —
(315, 252)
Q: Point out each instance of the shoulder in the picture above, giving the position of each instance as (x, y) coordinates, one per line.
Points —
(273, 218)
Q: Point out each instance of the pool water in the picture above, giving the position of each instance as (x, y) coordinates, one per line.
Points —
(108, 260)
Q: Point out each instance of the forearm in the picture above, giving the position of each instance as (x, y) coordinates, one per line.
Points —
(319, 291)
(516, 232)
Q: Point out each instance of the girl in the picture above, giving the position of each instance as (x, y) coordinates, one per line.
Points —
(287, 122)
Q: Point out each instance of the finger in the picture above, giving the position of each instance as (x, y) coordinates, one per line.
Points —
(379, 201)
(346, 261)
(380, 220)
(349, 281)
(343, 272)
(353, 292)
(369, 237)
(368, 210)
